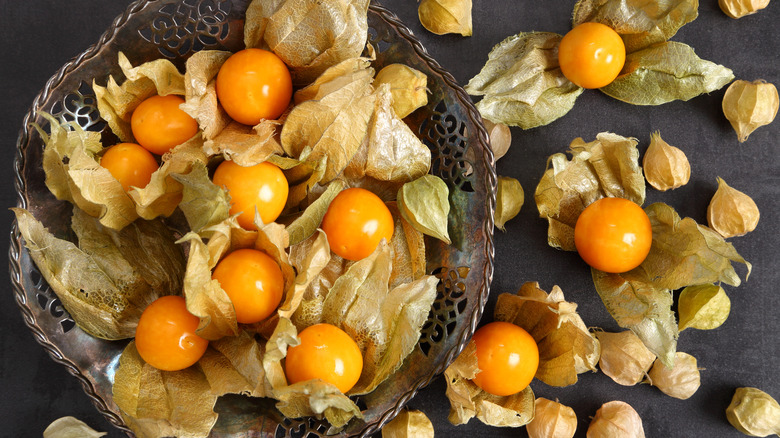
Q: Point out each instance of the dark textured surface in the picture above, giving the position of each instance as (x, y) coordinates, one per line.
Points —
(39, 36)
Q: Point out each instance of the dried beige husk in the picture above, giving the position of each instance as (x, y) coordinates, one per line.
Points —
(522, 82)
(680, 381)
(424, 203)
(70, 427)
(316, 398)
(303, 176)
(107, 281)
(408, 249)
(408, 87)
(703, 307)
(309, 35)
(200, 91)
(740, 8)
(754, 412)
(343, 116)
(624, 357)
(666, 167)
(552, 420)
(608, 166)
(446, 16)
(616, 419)
(665, 72)
(683, 253)
(74, 174)
(467, 400)
(309, 221)
(157, 403)
(203, 203)
(500, 138)
(234, 365)
(408, 424)
(750, 105)
(566, 347)
(163, 193)
(638, 22)
(308, 264)
(116, 103)
(731, 212)
(246, 145)
(509, 200)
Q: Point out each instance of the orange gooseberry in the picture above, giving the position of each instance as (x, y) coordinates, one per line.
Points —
(262, 187)
(254, 84)
(158, 124)
(507, 357)
(253, 281)
(356, 221)
(130, 164)
(165, 337)
(591, 55)
(327, 353)
(613, 235)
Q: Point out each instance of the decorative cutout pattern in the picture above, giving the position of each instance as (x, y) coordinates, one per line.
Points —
(49, 302)
(445, 134)
(450, 302)
(190, 26)
(302, 428)
(80, 107)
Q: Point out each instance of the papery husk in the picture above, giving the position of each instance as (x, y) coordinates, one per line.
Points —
(552, 420)
(116, 103)
(71, 427)
(665, 166)
(201, 92)
(624, 357)
(638, 22)
(408, 424)
(342, 116)
(106, 285)
(467, 400)
(750, 105)
(616, 419)
(234, 365)
(408, 249)
(665, 72)
(566, 347)
(446, 16)
(731, 212)
(246, 145)
(335, 77)
(754, 412)
(309, 310)
(313, 261)
(310, 36)
(682, 253)
(394, 153)
(163, 193)
(385, 336)
(316, 398)
(203, 203)
(424, 203)
(157, 403)
(309, 221)
(303, 176)
(509, 200)
(606, 167)
(680, 381)
(500, 138)
(522, 82)
(74, 174)
(703, 307)
(740, 8)
(408, 87)
(256, 20)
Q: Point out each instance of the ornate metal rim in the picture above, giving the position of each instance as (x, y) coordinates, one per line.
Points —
(20, 161)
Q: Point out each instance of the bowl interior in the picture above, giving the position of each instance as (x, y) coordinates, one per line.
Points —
(449, 125)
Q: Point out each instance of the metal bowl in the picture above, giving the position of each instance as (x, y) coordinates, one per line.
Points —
(174, 29)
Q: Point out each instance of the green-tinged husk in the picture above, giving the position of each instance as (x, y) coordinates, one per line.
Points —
(409, 424)
(522, 83)
(509, 200)
(70, 427)
(446, 16)
(425, 204)
(109, 279)
(754, 412)
(703, 307)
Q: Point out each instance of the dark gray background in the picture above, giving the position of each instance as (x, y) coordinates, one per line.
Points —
(38, 36)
